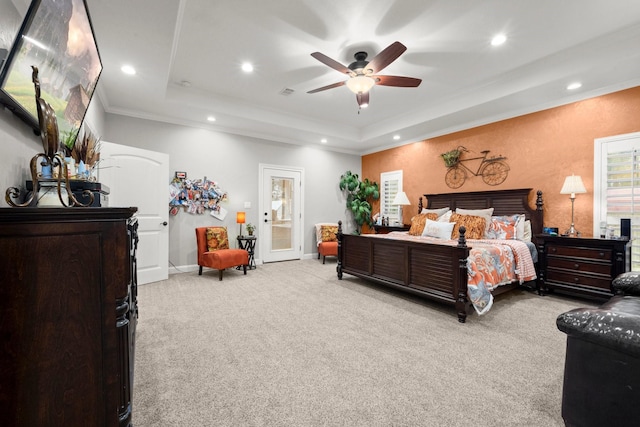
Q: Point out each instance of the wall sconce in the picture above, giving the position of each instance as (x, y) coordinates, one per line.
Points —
(573, 185)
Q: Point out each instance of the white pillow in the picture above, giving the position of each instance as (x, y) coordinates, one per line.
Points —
(484, 213)
(520, 227)
(440, 230)
(445, 217)
(440, 211)
(526, 236)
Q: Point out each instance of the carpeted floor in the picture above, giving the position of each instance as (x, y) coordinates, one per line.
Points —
(290, 345)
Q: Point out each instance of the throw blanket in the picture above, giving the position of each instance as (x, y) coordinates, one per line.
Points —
(491, 263)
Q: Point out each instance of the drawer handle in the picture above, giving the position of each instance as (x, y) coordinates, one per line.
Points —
(552, 249)
(576, 266)
(576, 279)
(601, 254)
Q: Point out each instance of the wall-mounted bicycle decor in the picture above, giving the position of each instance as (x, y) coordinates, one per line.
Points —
(493, 170)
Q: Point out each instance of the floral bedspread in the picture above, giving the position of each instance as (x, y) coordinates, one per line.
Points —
(491, 263)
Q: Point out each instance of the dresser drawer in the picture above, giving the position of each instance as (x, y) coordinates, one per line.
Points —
(579, 265)
(578, 279)
(570, 251)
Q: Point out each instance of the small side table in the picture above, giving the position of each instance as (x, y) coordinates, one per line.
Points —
(248, 243)
(384, 229)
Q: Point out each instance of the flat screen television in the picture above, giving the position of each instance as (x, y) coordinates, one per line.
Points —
(57, 37)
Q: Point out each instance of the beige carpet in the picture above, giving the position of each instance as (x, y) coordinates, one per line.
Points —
(291, 345)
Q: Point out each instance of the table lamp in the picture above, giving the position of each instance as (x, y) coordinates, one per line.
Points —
(572, 185)
(400, 200)
(240, 219)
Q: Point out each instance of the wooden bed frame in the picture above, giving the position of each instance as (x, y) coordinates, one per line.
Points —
(437, 272)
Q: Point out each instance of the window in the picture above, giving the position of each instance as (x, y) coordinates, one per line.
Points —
(390, 184)
(617, 187)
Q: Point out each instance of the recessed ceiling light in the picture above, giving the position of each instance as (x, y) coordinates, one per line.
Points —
(128, 69)
(211, 119)
(498, 39)
(396, 137)
(247, 67)
(323, 140)
(574, 86)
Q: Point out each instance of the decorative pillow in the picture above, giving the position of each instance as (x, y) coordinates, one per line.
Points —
(485, 213)
(438, 229)
(526, 236)
(475, 226)
(503, 227)
(328, 233)
(217, 238)
(520, 227)
(445, 217)
(418, 221)
(440, 211)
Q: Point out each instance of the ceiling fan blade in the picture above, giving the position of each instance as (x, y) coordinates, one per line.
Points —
(386, 57)
(397, 81)
(363, 99)
(320, 89)
(331, 62)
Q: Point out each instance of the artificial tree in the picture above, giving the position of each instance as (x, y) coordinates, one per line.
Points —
(359, 196)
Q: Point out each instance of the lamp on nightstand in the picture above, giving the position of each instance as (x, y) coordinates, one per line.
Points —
(572, 185)
(400, 200)
(240, 219)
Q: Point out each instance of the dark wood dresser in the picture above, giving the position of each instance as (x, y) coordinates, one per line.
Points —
(68, 314)
(581, 266)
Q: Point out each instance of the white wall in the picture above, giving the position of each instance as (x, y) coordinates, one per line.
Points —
(233, 161)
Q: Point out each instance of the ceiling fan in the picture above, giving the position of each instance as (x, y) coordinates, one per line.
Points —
(363, 74)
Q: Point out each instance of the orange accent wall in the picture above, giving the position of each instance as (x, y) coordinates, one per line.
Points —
(542, 148)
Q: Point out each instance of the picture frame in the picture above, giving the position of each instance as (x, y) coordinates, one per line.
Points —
(181, 175)
(57, 37)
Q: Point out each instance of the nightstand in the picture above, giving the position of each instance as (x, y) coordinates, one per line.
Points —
(249, 244)
(581, 266)
(384, 229)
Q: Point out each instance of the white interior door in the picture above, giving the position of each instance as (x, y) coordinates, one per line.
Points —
(138, 177)
(281, 202)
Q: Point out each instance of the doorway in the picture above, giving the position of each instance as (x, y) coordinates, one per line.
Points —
(281, 201)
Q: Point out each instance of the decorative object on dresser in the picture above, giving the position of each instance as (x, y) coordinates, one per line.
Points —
(602, 366)
(581, 266)
(432, 269)
(573, 185)
(68, 315)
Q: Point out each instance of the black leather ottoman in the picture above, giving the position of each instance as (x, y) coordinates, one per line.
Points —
(602, 367)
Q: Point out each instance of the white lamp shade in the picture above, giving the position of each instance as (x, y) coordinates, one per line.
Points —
(360, 84)
(401, 199)
(573, 185)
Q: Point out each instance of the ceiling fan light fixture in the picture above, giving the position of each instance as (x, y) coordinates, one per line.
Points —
(360, 84)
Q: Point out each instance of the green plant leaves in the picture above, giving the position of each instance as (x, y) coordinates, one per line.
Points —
(358, 195)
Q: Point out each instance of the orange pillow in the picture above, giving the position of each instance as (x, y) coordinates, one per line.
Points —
(328, 233)
(217, 238)
(418, 222)
(475, 226)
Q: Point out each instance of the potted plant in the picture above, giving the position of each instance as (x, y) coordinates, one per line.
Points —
(359, 194)
(250, 229)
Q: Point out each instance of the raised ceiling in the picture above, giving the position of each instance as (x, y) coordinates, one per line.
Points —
(465, 81)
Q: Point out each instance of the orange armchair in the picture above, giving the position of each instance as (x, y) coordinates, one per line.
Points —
(214, 252)
(327, 240)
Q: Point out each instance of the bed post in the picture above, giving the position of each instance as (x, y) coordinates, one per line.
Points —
(461, 300)
(339, 265)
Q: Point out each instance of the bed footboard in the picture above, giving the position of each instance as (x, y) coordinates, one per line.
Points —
(437, 272)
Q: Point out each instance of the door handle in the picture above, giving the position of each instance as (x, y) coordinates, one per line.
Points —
(165, 223)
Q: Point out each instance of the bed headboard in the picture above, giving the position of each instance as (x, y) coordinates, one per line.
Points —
(503, 202)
